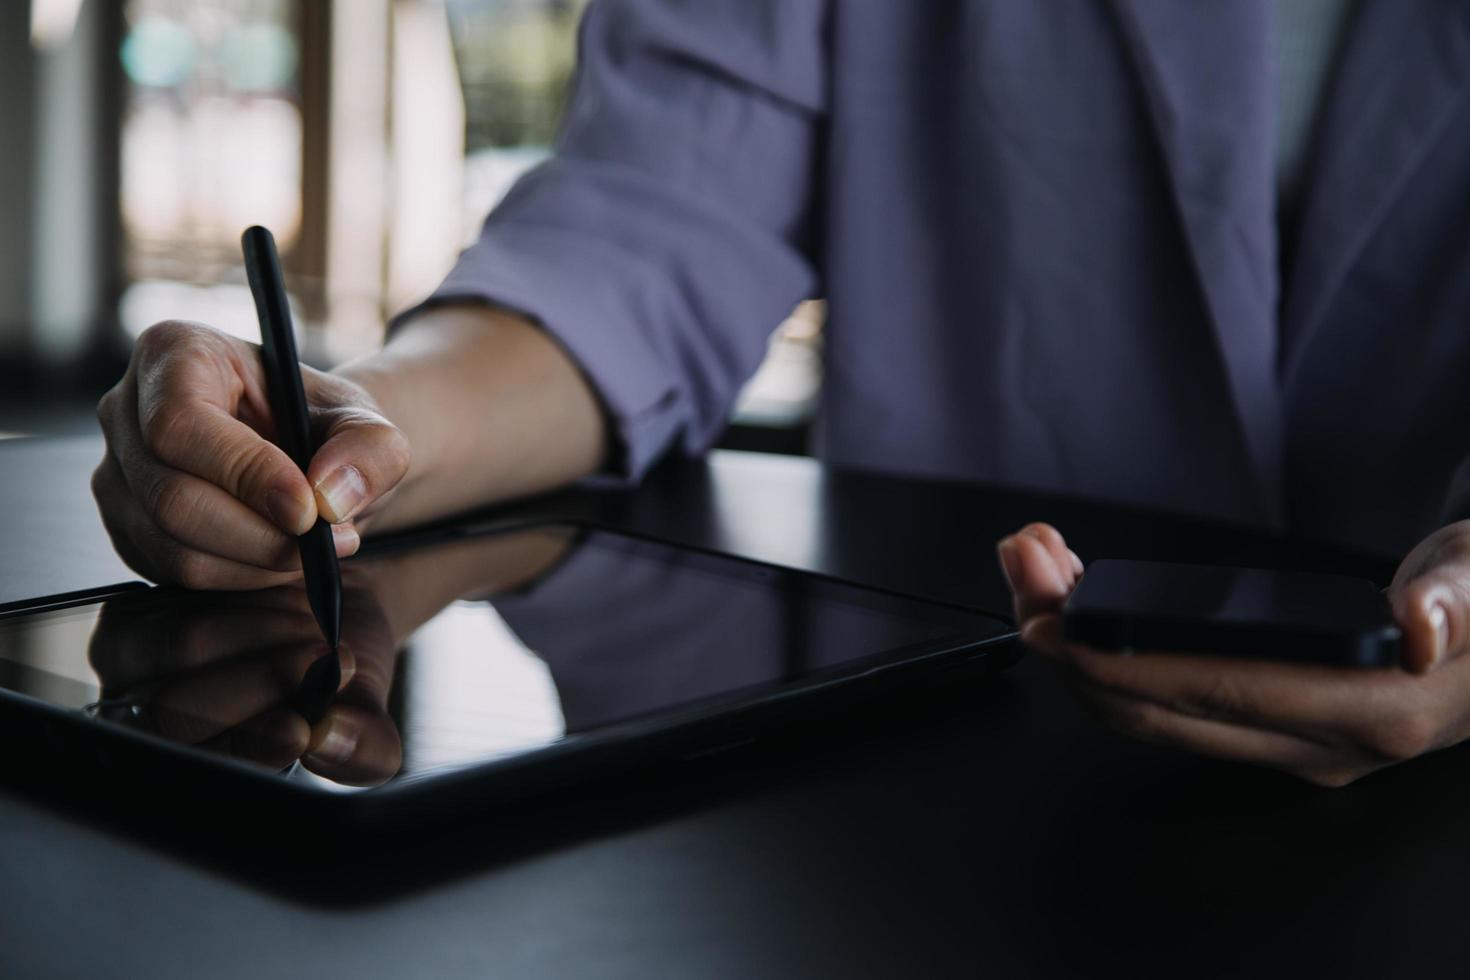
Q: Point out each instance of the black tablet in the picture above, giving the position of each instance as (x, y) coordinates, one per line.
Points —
(476, 668)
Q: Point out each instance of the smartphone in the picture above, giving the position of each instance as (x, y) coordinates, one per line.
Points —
(1248, 612)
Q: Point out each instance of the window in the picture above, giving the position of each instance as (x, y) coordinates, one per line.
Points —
(212, 135)
(371, 137)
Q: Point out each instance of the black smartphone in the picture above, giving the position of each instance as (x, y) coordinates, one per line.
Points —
(1249, 612)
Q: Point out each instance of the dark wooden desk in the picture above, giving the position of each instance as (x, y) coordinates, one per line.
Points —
(1000, 833)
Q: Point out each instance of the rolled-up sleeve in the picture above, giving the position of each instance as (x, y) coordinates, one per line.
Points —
(672, 229)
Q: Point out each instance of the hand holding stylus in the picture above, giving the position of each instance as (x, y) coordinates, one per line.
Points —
(194, 489)
(1328, 725)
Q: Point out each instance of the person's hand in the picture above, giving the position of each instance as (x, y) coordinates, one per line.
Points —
(1328, 725)
(193, 489)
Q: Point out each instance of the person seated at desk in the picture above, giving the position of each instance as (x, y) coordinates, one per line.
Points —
(1208, 257)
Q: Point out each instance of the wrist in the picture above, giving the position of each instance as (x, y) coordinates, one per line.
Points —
(385, 394)
(492, 409)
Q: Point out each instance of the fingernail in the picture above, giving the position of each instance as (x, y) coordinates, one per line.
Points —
(1441, 623)
(338, 742)
(1077, 565)
(341, 492)
(346, 538)
(289, 513)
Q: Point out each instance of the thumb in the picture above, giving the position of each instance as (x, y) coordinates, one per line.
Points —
(1433, 610)
(1040, 569)
(361, 457)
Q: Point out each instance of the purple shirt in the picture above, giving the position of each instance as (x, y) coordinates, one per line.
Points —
(1046, 233)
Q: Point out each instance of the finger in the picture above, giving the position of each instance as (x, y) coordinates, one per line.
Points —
(185, 421)
(274, 738)
(194, 511)
(1043, 633)
(1040, 585)
(356, 745)
(188, 629)
(196, 707)
(375, 662)
(161, 558)
(204, 517)
(361, 457)
(356, 742)
(168, 643)
(201, 704)
(1156, 724)
(1433, 611)
(1388, 712)
(119, 512)
(1051, 538)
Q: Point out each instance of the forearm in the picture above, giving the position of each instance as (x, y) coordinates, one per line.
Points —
(492, 407)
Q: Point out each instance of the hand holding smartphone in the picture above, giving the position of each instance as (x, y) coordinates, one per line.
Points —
(1278, 680)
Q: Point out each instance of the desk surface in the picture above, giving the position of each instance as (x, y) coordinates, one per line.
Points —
(1005, 834)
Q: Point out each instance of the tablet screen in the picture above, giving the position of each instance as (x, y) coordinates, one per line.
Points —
(462, 653)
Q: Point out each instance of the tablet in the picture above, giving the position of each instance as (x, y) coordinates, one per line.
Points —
(476, 668)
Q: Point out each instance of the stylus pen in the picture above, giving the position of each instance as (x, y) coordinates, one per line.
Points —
(293, 426)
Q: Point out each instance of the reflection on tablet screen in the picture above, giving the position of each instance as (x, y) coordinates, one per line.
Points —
(459, 654)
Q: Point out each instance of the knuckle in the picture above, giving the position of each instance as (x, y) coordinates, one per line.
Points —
(191, 569)
(252, 468)
(110, 493)
(112, 416)
(1403, 738)
(162, 337)
(99, 483)
(1134, 719)
(386, 453)
(397, 452)
(1418, 594)
(1044, 532)
(1220, 698)
(167, 427)
(106, 406)
(172, 504)
(284, 554)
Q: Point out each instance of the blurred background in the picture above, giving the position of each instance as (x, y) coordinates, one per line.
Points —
(140, 137)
